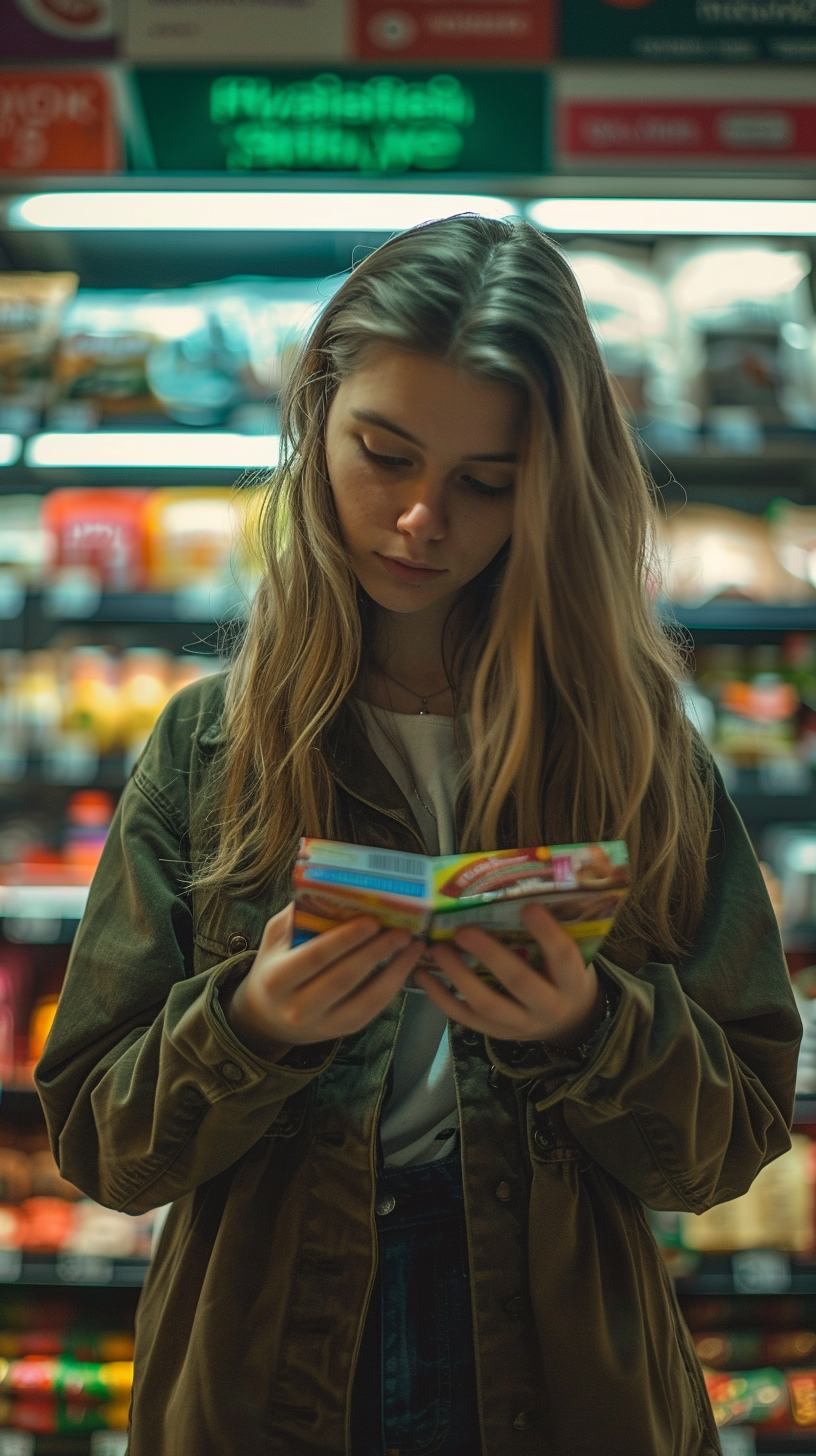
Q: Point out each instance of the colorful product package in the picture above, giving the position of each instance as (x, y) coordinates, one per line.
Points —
(190, 535)
(582, 885)
(101, 529)
(748, 1397)
(802, 1395)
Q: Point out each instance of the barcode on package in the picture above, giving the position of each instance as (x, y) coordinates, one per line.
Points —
(410, 865)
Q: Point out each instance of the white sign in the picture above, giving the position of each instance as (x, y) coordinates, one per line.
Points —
(229, 32)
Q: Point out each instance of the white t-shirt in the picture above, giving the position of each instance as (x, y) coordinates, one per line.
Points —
(421, 1108)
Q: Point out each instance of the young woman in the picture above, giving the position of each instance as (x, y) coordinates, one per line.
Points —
(412, 1220)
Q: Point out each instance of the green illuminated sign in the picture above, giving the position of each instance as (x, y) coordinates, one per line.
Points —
(346, 121)
(380, 124)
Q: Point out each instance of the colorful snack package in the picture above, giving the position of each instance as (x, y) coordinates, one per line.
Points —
(802, 1395)
(748, 1397)
(582, 885)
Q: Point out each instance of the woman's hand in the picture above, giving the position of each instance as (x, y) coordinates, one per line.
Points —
(562, 1004)
(326, 988)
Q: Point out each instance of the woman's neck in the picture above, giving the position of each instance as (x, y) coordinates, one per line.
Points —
(406, 665)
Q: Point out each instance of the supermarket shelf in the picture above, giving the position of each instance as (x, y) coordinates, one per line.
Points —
(741, 616)
(98, 1443)
(71, 1270)
(751, 1272)
(42, 902)
(194, 606)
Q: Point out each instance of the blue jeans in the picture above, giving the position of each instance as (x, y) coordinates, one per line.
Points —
(415, 1388)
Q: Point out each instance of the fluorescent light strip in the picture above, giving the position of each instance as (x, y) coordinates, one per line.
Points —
(659, 215)
(10, 449)
(244, 211)
(214, 450)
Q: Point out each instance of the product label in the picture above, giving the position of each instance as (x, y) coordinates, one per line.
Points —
(455, 30)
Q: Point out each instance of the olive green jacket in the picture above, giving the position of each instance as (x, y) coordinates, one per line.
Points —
(251, 1318)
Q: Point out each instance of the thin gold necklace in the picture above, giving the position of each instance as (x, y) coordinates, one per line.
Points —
(424, 698)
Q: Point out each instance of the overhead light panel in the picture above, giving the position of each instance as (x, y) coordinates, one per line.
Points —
(10, 449)
(658, 215)
(244, 211)
(121, 450)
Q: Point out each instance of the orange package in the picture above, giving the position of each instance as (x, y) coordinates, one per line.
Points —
(101, 529)
(190, 536)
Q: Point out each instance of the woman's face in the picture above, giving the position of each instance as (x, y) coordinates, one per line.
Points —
(422, 459)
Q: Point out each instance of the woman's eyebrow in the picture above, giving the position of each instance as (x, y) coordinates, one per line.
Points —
(373, 417)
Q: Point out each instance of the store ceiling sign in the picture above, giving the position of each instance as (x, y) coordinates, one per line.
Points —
(330, 122)
(690, 30)
(57, 121)
(673, 120)
(455, 30)
(224, 31)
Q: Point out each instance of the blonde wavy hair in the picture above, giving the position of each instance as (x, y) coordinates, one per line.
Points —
(577, 721)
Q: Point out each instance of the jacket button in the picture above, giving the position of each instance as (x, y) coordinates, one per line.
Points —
(543, 1140)
(386, 1203)
(517, 1306)
(237, 943)
(524, 1420)
(504, 1192)
(231, 1071)
(471, 1038)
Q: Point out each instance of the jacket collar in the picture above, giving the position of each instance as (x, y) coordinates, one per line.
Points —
(356, 768)
(352, 763)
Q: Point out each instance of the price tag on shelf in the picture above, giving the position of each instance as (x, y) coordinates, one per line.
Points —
(106, 1443)
(85, 1268)
(16, 1443)
(734, 1442)
(761, 1271)
(11, 1267)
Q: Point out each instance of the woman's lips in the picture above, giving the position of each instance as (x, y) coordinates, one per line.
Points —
(405, 572)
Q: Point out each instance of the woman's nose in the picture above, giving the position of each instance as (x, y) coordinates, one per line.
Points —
(423, 518)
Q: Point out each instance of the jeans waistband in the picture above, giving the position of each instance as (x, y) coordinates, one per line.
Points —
(420, 1194)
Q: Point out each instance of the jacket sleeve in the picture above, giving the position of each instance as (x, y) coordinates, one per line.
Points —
(690, 1092)
(146, 1090)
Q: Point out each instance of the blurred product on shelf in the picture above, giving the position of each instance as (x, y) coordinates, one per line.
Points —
(32, 307)
(744, 335)
(49, 1416)
(778, 1212)
(630, 318)
(750, 1397)
(130, 540)
(42, 1019)
(211, 355)
(69, 708)
(712, 342)
(804, 988)
(41, 1213)
(51, 1225)
(189, 536)
(100, 529)
(749, 1349)
(708, 552)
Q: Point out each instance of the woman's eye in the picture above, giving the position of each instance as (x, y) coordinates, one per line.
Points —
(386, 462)
(482, 488)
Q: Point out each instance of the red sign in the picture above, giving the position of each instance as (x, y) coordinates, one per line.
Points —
(455, 30)
(691, 131)
(57, 121)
